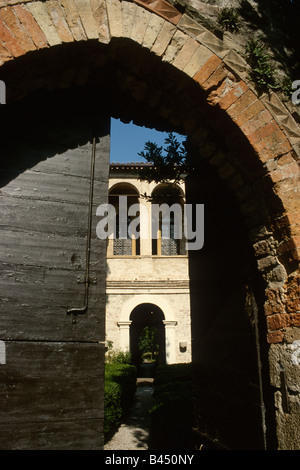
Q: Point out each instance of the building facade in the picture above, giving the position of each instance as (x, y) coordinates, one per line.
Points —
(147, 277)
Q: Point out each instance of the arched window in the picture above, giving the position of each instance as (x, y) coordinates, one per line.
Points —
(124, 243)
(167, 221)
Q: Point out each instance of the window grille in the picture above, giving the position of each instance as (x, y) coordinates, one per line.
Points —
(122, 247)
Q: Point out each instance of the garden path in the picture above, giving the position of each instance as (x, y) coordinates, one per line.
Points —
(133, 433)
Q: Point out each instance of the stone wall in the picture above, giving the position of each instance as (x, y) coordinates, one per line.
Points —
(175, 304)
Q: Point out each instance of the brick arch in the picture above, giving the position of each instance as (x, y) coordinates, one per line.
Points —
(220, 76)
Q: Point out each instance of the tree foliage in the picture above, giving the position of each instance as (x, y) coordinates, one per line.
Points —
(148, 340)
(170, 163)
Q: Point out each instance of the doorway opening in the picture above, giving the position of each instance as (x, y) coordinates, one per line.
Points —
(151, 317)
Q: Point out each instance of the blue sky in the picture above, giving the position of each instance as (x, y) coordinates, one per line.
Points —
(127, 140)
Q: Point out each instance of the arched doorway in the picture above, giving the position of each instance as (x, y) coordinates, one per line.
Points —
(149, 316)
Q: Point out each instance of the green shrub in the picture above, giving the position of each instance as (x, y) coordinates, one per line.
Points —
(172, 410)
(120, 387)
(287, 87)
(262, 68)
(112, 406)
(125, 376)
(169, 373)
(116, 356)
(229, 19)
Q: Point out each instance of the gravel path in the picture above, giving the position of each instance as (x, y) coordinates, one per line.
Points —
(133, 434)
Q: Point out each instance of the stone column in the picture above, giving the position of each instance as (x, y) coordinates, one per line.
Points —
(124, 335)
(145, 218)
(110, 247)
(170, 341)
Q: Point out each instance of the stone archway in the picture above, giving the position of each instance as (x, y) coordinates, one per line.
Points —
(258, 158)
(151, 316)
(165, 313)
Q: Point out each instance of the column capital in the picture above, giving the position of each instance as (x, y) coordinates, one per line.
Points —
(124, 324)
(170, 323)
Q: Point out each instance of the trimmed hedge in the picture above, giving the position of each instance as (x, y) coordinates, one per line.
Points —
(166, 374)
(172, 410)
(120, 387)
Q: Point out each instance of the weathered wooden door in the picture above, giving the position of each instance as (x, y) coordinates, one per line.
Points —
(52, 381)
